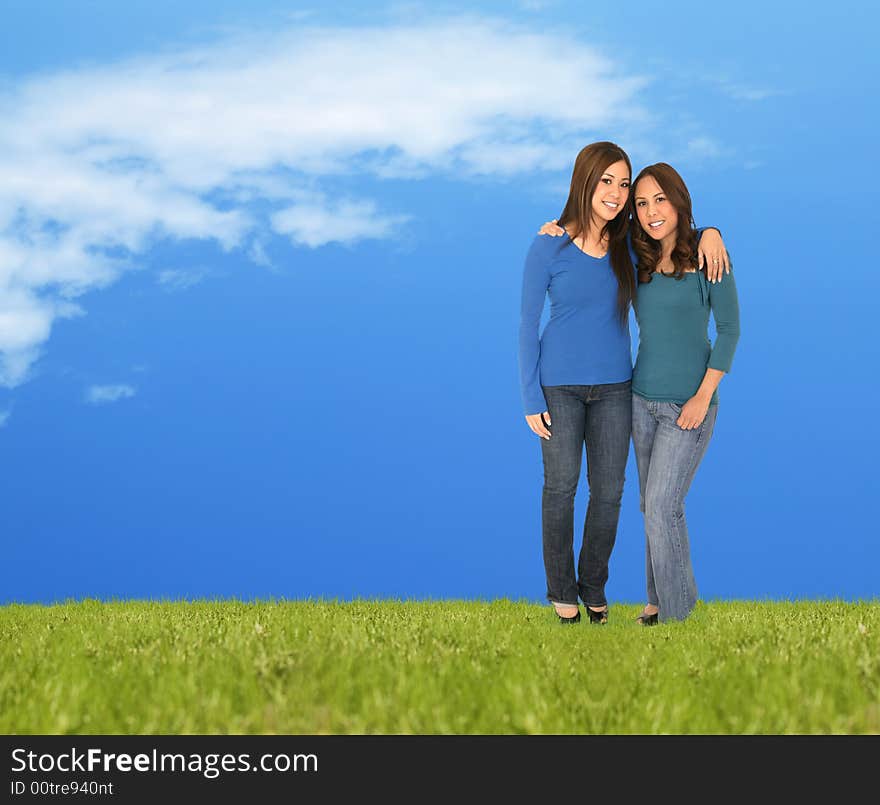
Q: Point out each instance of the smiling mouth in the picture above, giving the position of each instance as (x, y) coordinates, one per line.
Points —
(611, 205)
(656, 224)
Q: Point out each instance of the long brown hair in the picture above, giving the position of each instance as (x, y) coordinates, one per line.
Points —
(591, 163)
(648, 250)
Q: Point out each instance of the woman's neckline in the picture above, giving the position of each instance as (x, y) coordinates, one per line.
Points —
(586, 254)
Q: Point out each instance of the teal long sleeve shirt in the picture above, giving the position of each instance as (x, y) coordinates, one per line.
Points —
(674, 348)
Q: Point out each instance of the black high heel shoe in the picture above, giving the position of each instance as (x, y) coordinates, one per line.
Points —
(600, 616)
(648, 620)
(576, 618)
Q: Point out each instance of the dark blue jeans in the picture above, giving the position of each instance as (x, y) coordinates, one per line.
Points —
(599, 417)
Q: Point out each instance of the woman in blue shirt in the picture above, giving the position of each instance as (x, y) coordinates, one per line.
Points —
(576, 376)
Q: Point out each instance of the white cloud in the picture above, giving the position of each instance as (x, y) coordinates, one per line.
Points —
(257, 254)
(536, 5)
(317, 221)
(702, 147)
(241, 139)
(741, 92)
(4, 417)
(179, 279)
(734, 87)
(108, 394)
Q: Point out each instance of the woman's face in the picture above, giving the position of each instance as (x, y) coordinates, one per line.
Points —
(656, 214)
(612, 192)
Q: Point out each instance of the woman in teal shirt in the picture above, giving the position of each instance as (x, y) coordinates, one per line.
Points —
(675, 379)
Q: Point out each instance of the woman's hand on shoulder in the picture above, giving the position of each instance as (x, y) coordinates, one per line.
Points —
(713, 255)
(551, 228)
(539, 424)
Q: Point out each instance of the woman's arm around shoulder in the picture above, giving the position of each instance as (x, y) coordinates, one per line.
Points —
(712, 254)
(724, 302)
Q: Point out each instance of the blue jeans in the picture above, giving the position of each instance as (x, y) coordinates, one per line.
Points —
(667, 458)
(599, 417)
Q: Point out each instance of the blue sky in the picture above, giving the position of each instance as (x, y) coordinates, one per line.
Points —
(259, 289)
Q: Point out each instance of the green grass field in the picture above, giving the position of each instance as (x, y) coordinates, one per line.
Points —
(233, 667)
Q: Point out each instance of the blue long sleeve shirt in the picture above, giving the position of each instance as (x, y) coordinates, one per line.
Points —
(584, 342)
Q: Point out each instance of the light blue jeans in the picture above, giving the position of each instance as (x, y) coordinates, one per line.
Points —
(667, 458)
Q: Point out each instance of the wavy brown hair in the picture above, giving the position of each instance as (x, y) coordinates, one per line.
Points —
(648, 250)
(591, 163)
